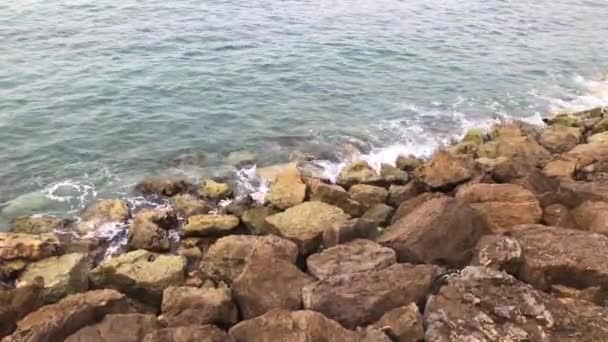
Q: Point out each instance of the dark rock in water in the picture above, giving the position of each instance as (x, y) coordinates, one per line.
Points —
(189, 333)
(185, 158)
(166, 187)
(132, 327)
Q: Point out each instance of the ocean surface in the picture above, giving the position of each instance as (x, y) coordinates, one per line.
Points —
(96, 95)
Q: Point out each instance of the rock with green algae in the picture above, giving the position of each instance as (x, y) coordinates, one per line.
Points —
(103, 211)
(476, 136)
(215, 190)
(408, 163)
(37, 224)
(187, 205)
(358, 173)
(393, 175)
(210, 225)
(255, 219)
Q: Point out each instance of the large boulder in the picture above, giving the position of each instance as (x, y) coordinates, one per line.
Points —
(184, 305)
(210, 225)
(149, 230)
(585, 191)
(441, 231)
(502, 205)
(131, 327)
(358, 299)
(215, 190)
(380, 214)
(305, 223)
(191, 333)
(288, 189)
(16, 303)
(255, 219)
(560, 138)
(444, 171)
(343, 232)
(37, 224)
(403, 324)
(482, 304)
(225, 259)
(28, 246)
(558, 215)
(163, 186)
(593, 216)
(358, 173)
(335, 195)
(398, 194)
(595, 149)
(408, 163)
(368, 195)
(56, 322)
(102, 212)
(62, 275)
(523, 147)
(561, 168)
(187, 205)
(498, 252)
(355, 256)
(142, 274)
(393, 175)
(408, 206)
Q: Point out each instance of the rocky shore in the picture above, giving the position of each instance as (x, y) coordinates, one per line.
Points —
(502, 236)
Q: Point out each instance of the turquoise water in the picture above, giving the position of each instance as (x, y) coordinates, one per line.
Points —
(96, 94)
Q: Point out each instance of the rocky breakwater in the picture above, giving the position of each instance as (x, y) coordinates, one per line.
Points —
(500, 237)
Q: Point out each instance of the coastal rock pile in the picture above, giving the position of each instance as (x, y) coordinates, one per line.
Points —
(501, 237)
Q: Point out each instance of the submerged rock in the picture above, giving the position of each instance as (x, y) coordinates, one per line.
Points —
(28, 246)
(166, 187)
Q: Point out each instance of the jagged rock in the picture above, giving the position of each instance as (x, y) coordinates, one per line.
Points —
(168, 187)
(561, 168)
(557, 215)
(149, 230)
(56, 322)
(498, 252)
(187, 205)
(568, 120)
(585, 191)
(441, 230)
(358, 299)
(210, 225)
(403, 324)
(593, 216)
(464, 148)
(368, 195)
(596, 172)
(522, 147)
(62, 276)
(502, 205)
(37, 224)
(335, 195)
(600, 126)
(358, 173)
(16, 303)
(141, 274)
(393, 175)
(102, 212)
(255, 219)
(225, 259)
(379, 214)
(559, 138)
(445, 171)
(28, 246)
(356, 256)
(344, 232)
(288, 190)
(408, 163)
(475, 135)
(191, 333)
(131, 327)
(305, 223)
(255, 289)
(408, 206)
(585, 154)
(481, 304)
(10, 269)
(398, 194)
(186, 305)
(214, 190)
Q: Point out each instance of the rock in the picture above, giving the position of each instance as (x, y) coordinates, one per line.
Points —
(350, 230)
(408, 163)
(358, 299)
(270, 173)
(475, 135)
(482, 304)
(288, 190)
(585, 191)
(498, 252)
(558, 215)
(368, 195)
(28, 246)
(56, 322)
(522, 147)
(237, 206)
(255, 219)
(132, 327)
(185, 305)
(210, 225)
(16, 303)
(305, 223)
(403, 324)
(215, 190)
(561, 256)
(10, 269)
(398, 194)
(596, 172)
(559, 138)
(255, 290)
(593, 216)
(191, 333)
(225, 259)
(292, 326)
(149, 230)
(240, 157)
(63, 275)
(335, 195)
(464, 148)
(187, 205)
(442, 231)
(355, 256)
(561, 168)
(36, 224)
(102, 212)
(393, 175)
(444, 171)
(593, 294)
(167, 187)
(568, 120)
(141, 274)
(408, 206)
(502, 205)
(585, 154)
(358, 173)
(379, 214)
(600, 126)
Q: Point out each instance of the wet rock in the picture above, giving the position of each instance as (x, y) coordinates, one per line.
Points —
(502, 205)
(561, 168)
(131, 327)
(210, 225)
(191, 333)
(187, 205)
(141, 274)
(334, 195)
(368, 195)
(356, 256)
(103, 211)
(186, 305)
(270, 173)
(358, 173)
(350, 230)
(36, 224)
(305, 223)
(481, 304)
(408, 163)
(255, 289)
(559, 138)
(225, 259)
(476, 136)
(167, 187)
(255, 219)
(16, 303)
(149, 230)
(28, 246)
(498, 252)
(593, 216)
(379, 214)
(557, 215)
(10, 269)
(398, 194)
(241, 157)
(444, 171)
(464, 148)
(288, 190)
(56, 322)
(62, 276)
(215, 190)
(393, 175)
(600, 126)
(441, 231)
(522, 147)
(358, 299)
(408, 206)
(403, 324)
(568, 120)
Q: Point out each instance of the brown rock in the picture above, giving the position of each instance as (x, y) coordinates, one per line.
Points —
(210, 225)
(444, 171)
(585, 191)
(498, 252)
(379, 214)
(16, 303)
(358, 173)
(502, 205)
(149, 230)
(522, 147)
(28, 246)
(102, 212)
(191, 333)
(442, 231)
(163, 186)
(593, 216)
(561, 168)
(117, 328)
(560, 138)
(36, 224)
(398, 194)
(10, 269)
(585, 154)
(408, 206)
(344, 232)
(255, 219)
(288, 190)
(393, 175)
(355, 256)
(557, 215)
(368, 195)
(335, 195)
(593, 294)
(358, 299)
(185, 305)
(403, 324)
(187, 205)
(225, 259)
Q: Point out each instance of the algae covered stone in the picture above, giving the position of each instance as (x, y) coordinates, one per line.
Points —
(210, 225)
(37, 224)
(215, 190)
(288, 189)
(359, 172)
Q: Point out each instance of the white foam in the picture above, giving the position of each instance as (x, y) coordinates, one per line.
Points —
(251, 184)
(590, 93)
